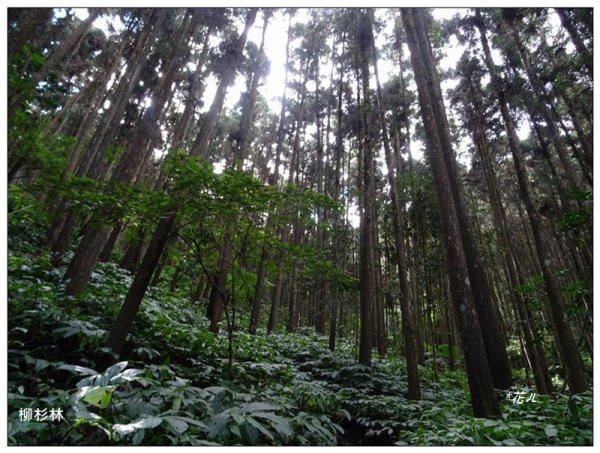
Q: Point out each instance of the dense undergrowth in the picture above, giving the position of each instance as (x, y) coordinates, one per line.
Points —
(285, 389)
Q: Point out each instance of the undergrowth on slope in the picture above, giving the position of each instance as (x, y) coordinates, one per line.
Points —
(172, 386)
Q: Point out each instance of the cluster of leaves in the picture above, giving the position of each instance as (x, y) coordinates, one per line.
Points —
(169, 398)
(554, 420)
(26, 219)
(133, 204)
(578, 221)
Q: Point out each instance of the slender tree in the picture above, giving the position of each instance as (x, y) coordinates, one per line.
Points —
(137, 290)
(410, 340)
(483, 398)
(573, 365)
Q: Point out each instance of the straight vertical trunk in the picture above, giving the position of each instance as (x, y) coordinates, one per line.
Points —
(218, 292)
(570, 357)
(493, 337)
(408, 328)
(367, 258)
(483, 398)
(258, 292)
(534, 353)
(227, 77)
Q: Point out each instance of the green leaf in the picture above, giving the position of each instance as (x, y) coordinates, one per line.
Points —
(147, 422)
(259, 426)
(178, 425)
(81, 412)
(98, 396)
(129, 375)
(114, 370)
(573, 409)
(217, 426)
(550, 431)
(255, 407)
(97, 423)
(235, 429)
(138, 437)
(176, 404)
(83, 371)
(37, 59)
(280, 423)
(40, 364)
(189, 421)
(248, 433)
(216, 390)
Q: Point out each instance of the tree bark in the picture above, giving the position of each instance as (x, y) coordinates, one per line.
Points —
(219, 290)
(483, 398)
(367, 259)
(133, 299)
(577, 41)
(572, 363)
(408, 328)
(200, 147)
(159, 238)
(493, 337)
(57, 57)
(534, 353)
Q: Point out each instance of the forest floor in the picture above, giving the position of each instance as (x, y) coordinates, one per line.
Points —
(177, 387)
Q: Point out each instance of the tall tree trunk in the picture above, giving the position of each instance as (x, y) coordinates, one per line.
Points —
(542, 101)
(483, 398)
(573, 365)
(133, 299)
(250, 108)
(217, 295)
(134, 251)
(493, 337)
(258, 293)
(408, 328)
(577, 41)
(535, 355)
(110, 243)
(95, 238)
(367, 220)
(92, 163)
(58, 56)
(182, 128)
(338, 152)
(274, 180)
(137, 291)
(200, 147)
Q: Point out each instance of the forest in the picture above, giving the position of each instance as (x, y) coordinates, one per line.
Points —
(299, 226)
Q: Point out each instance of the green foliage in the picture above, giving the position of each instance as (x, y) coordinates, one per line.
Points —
(26, 219)
(32, 150)
(20, 82)
(132, 204)
(579, 221)
(555, 420)
(285, 389)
